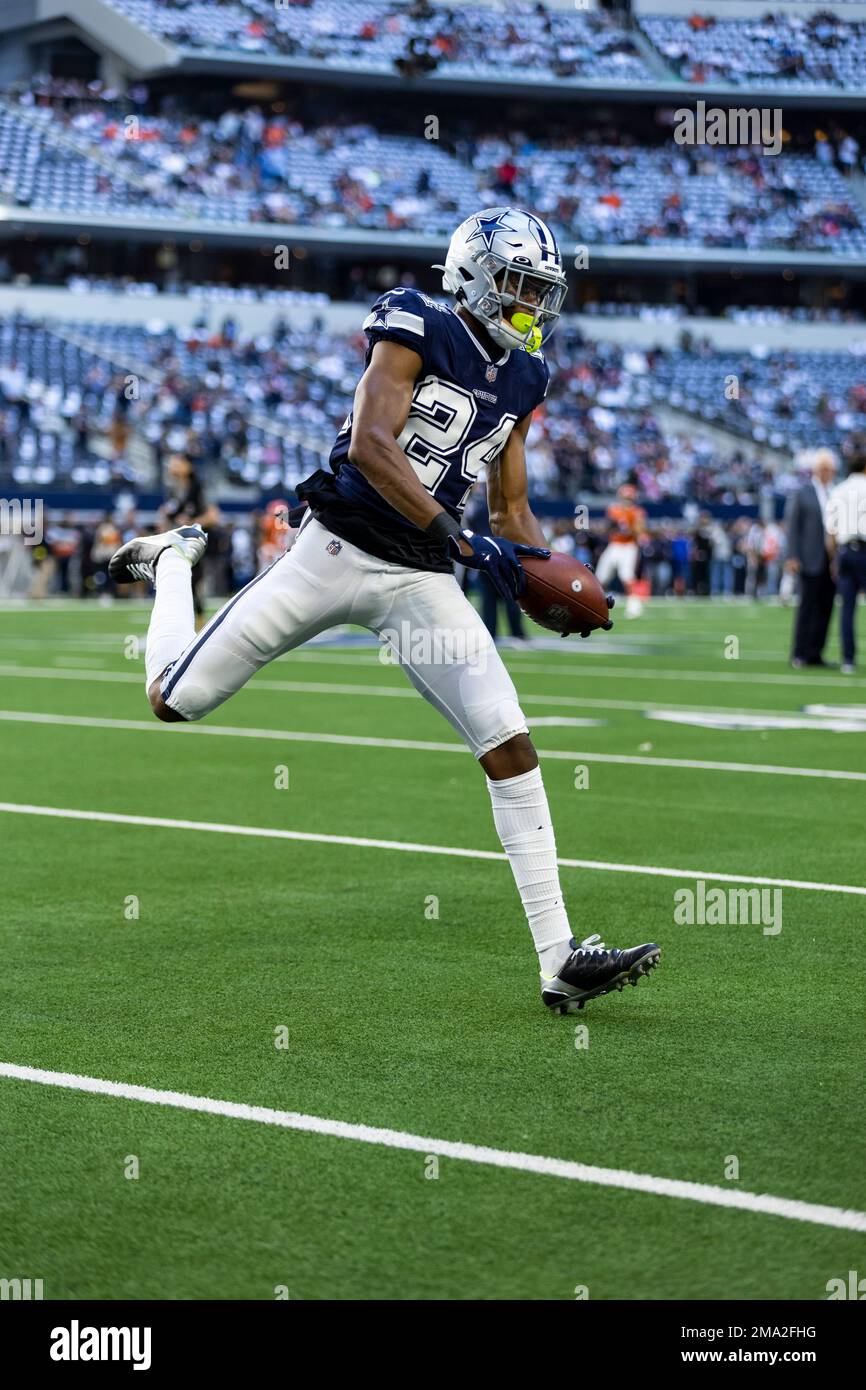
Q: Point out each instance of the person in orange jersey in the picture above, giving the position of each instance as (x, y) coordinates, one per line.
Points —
(619, 558)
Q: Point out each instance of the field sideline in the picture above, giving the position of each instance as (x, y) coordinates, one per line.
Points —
(349, 951)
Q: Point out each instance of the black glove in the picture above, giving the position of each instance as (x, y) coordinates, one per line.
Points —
(497, 558)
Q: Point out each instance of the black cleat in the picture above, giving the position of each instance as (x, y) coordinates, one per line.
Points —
(592, 970)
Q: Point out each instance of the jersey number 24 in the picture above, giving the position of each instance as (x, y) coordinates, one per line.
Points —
(434, 437)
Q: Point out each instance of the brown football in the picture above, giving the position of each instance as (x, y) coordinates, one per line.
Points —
(563, 595)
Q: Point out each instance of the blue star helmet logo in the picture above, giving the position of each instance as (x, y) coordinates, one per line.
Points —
(487, 227)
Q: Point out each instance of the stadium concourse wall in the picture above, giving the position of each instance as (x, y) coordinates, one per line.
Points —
(107, 30)
(408, 245)
(257, 316)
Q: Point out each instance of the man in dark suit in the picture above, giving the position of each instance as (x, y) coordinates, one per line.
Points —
(807, 556)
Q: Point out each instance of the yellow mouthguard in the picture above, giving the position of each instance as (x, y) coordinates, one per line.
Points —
(522, 323)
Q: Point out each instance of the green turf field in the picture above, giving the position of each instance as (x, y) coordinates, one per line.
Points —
(177, 958)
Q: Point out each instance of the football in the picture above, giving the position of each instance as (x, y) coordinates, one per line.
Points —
(564, 595)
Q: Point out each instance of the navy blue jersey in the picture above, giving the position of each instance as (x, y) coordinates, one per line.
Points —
(464, 407)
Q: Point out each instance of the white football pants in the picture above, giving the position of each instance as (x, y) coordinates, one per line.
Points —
(620, 559)
(426, 623)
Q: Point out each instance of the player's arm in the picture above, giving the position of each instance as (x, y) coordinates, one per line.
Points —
(508, 491)
(382, 402)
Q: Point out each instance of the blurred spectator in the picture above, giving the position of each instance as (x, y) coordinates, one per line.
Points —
(721, 572)
(807, 556)
(702, 551)
(62, 541)
(681, 563)
(273, 532)
(846, 526)
(106, 539)
(186, 505)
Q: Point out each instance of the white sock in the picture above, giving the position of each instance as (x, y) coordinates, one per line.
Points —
(172, 622)
(522, 820)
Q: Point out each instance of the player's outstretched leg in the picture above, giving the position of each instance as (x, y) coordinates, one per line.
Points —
(465, 679)
(165, 561)
(570, 973)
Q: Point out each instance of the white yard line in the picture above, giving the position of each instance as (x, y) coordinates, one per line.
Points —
(153, 726)
(366, 653)
(668, 673)
(410, 847)
(704, 1193)
(399, 692)
(47, 607)
(127, 677)
(93, 663)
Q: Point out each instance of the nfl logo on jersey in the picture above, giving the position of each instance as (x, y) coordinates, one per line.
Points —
(491, 372)
(334, 547)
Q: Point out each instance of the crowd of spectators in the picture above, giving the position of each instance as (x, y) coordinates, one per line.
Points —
(72, 555)
(605, 187)
(410, 36)
(525, 37)
(815, 47)
(705, 557)
(747, 313)
(70, 148)
(95, 403)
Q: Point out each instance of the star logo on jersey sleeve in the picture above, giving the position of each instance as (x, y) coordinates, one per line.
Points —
(378, 317)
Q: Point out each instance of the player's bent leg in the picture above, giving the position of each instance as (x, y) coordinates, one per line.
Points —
(510, 759)
(166, 561)
(306, 590)
(219, 660)
(162, 711)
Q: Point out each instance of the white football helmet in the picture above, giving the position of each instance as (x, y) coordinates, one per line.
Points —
(504, 262)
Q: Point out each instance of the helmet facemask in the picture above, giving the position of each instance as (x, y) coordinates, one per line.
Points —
(533, 296)
(503, 264)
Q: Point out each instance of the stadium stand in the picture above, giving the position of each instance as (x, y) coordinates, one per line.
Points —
(54, 396)
(414, 38)
(96, 156)
(791, 400)
(262, 411)
(792, 49)
(813, 47)
(257, 410)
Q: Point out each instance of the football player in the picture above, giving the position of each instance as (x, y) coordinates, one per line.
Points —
(620, 557)
(447, 390)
